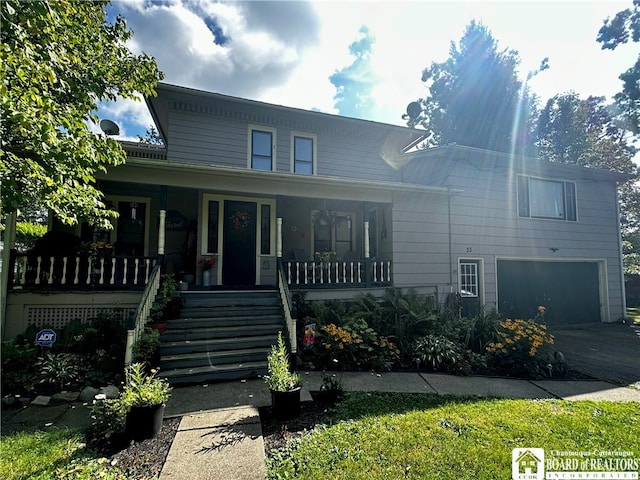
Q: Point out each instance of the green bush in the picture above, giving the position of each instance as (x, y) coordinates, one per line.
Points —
(146, 347)
(60, 369)
(19, 374)
(27, 233)
(436, 353)
(280, 378)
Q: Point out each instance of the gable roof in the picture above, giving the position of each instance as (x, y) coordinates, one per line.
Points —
(210, 102)
(442, 159)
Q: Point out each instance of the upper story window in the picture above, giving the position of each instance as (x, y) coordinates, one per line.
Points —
(303, 153)
(541, 198)
(262, 147)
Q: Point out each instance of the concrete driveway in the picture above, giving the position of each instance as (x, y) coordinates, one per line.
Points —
(605, 351)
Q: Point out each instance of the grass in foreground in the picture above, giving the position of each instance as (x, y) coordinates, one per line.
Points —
(389, 436)
(52, 454)
(634, 313)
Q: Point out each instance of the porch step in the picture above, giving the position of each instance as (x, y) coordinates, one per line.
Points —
(221, 336)
(215, 373)
(209, 332)
(207, 311)
(225, 321)
(215, 358)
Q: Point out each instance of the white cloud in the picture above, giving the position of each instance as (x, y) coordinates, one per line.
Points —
(285, 52)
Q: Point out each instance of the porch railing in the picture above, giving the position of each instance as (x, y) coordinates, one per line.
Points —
(356, 273)
(80, 271)
(142, 313)
(285, 299)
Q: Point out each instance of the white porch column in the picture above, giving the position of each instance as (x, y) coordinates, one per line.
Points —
(9, 238)
(161, 232)
(279, 237)
(366, 240)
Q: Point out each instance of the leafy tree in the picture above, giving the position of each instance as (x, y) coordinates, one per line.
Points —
(151, 137)
(58, 59)
(583, 132)
(587, 133)
(623, 27)
(475, 97)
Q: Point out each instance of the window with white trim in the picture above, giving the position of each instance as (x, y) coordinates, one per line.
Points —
(303, 153)
(261, 148)
(542, 198)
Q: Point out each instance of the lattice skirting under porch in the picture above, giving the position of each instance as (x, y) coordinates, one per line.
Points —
(58, 316)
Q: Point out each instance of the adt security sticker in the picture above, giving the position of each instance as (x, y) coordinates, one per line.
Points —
(46, 337)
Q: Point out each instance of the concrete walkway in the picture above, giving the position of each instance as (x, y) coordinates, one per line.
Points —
(220, 435)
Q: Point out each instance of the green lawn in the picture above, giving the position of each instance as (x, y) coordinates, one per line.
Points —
(634, 312)
(391, 436)
(51, 454)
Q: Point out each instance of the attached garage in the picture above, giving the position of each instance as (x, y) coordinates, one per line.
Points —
(569, 290)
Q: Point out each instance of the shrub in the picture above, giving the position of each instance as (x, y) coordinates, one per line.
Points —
(166, 305)
(436, 352)
(19, 375)
(523, 349)
(146, 347)
(280, 377)
(60, 369)
(27, 233)
(107, 430)
(331, 388)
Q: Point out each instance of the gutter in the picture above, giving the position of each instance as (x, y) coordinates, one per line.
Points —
(310, 180)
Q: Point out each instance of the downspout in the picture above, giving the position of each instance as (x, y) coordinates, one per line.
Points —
(450, 239)
(622, 281)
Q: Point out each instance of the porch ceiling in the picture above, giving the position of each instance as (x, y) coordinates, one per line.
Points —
(233, 180)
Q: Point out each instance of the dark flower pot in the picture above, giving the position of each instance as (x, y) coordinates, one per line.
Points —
(144, 422)
(286, 405)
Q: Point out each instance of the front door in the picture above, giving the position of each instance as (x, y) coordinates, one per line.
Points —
(239, 243)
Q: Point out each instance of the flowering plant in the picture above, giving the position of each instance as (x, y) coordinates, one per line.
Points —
(207, 263)
(524, 346)
(324, 257)
(141, 389)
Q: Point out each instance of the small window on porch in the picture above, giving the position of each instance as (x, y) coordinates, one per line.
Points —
(212, 227)
(265, 229)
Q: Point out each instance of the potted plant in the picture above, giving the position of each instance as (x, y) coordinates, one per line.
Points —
(145, 397)
(284, 384)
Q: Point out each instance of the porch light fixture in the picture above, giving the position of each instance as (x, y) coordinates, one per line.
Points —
(134, 207)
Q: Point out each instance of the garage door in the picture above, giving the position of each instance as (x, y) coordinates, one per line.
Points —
(569, 290)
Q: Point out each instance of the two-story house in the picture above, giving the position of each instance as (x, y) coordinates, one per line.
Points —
(335, 206)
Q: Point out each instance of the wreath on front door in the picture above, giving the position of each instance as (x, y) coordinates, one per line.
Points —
(240, 220)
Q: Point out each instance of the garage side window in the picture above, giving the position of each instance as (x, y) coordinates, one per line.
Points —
(541, 198)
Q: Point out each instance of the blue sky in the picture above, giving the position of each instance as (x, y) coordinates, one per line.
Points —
(358, 58)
